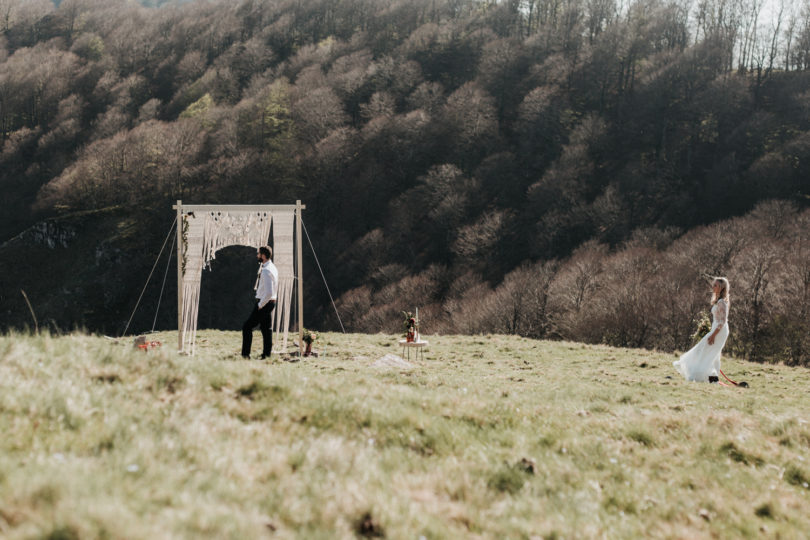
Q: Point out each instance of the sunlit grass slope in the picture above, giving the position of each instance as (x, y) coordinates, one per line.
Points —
(487, 437)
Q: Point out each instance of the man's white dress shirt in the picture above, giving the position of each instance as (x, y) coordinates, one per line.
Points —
(267, 288)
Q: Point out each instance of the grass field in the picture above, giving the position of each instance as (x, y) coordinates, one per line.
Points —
(487, 437)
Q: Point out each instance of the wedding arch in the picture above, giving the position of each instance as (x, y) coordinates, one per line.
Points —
(203, 229)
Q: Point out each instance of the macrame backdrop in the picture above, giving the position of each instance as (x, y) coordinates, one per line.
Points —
(193, 245)
(223, 229)
(206, 233)
(283, 249)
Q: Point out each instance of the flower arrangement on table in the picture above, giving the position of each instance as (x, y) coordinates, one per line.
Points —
(411, 324)
(309, 338)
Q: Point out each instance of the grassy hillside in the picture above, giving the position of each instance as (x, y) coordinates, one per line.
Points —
(488, 437)
(458, 151)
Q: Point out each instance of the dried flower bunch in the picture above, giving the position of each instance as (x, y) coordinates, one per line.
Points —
(309, 336)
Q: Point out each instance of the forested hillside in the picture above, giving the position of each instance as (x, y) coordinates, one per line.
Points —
(558, 168)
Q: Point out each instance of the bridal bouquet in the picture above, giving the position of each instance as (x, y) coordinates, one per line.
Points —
(704, 324)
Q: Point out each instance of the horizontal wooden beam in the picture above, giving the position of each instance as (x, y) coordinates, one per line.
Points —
(237, 207)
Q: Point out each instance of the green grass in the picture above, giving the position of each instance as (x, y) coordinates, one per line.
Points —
(487, 437)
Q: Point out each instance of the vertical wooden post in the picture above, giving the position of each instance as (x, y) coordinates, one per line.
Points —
(179, 275)
(299, 251)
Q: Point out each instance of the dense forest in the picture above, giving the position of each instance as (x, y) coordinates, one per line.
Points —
(567, 169)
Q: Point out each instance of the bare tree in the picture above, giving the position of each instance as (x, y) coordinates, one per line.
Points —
(797, 287)
(317, 113)
(471, 119)
(523, 304)
(754, 270)
(599, 14)
(790, 34)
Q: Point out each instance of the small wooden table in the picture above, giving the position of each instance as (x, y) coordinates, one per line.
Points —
(420, 347)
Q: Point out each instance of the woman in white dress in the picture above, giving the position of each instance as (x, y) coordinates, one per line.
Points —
(702, 362)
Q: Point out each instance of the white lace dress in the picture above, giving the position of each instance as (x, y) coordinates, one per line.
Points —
(703, 359)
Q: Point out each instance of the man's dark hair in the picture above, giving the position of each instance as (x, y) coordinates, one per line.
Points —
(267, 251)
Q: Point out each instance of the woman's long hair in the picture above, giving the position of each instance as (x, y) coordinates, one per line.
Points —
(723, 290)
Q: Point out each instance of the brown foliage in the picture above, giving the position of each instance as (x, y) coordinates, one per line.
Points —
(649, 293)
(154, 158)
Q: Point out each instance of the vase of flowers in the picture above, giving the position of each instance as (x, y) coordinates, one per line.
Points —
(309, 337)
(411, 324)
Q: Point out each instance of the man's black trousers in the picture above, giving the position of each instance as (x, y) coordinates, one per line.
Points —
(261, 317)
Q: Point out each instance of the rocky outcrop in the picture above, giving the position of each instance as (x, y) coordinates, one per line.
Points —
(48, 233)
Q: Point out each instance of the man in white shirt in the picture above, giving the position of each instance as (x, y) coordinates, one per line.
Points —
(266, 293)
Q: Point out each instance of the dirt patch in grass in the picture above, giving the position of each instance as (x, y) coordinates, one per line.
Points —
(740, 456)
(368, 527)
(797, 477)
(260, 390)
